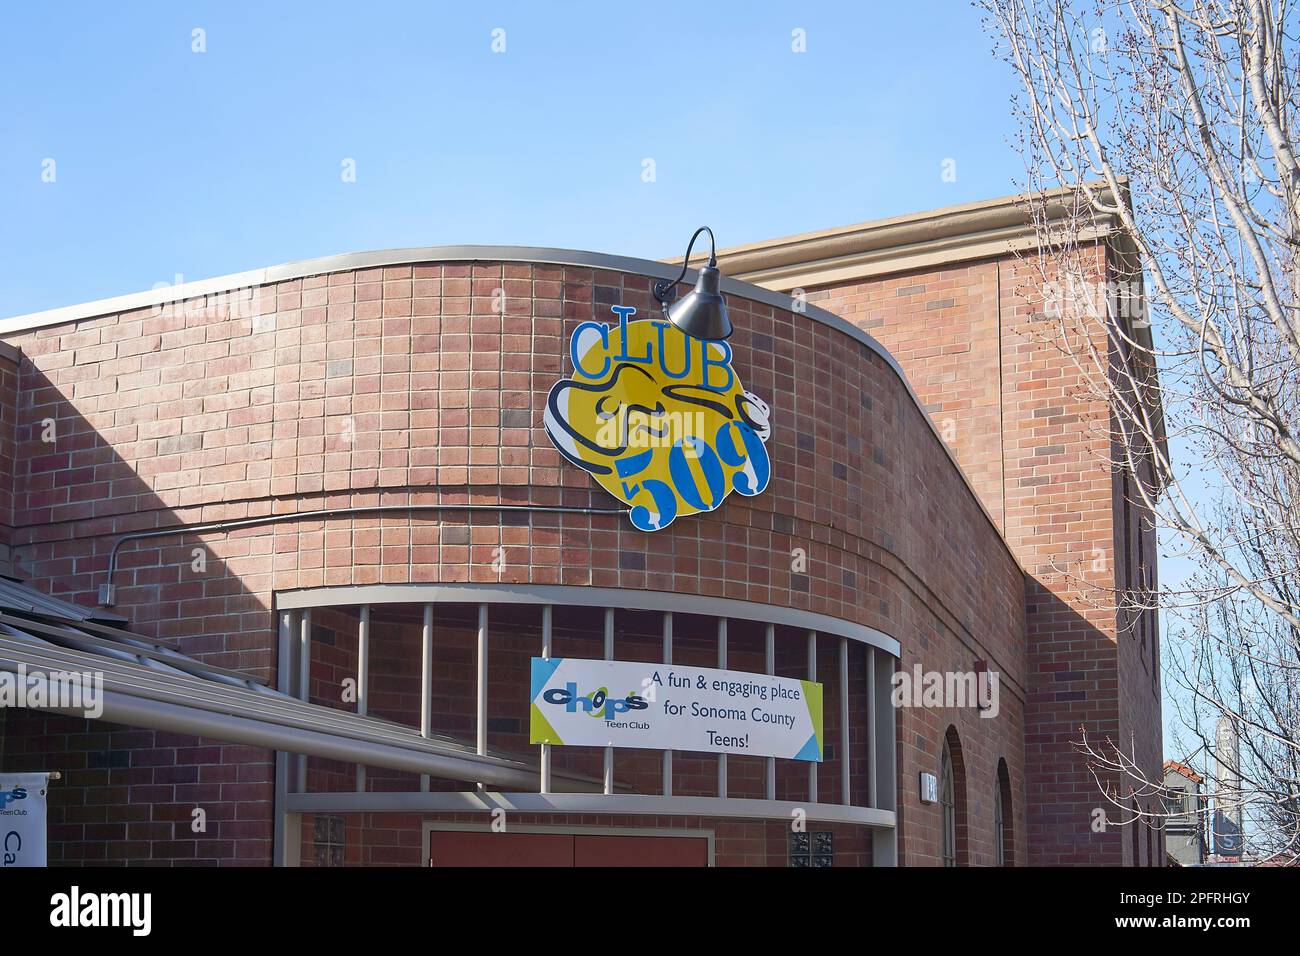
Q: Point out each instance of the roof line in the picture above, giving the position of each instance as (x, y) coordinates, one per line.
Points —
(984, 229)
(372, 260)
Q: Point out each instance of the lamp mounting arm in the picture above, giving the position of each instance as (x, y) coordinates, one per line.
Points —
(664, 286)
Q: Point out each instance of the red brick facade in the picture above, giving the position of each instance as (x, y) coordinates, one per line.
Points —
(404, 384)
(1016, 411)
(8, 433)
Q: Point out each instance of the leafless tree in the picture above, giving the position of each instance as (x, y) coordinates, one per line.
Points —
(1167, 130)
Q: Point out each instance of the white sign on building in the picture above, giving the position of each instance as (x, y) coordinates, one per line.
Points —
(671, 707)
(22, 819)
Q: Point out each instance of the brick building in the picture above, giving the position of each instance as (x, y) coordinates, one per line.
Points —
(334, 473)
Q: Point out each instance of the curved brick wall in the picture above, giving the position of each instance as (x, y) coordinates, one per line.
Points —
(402, 385)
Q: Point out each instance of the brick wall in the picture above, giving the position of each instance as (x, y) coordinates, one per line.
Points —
(1023, 423)
(8, 436)
(402, 384)
(129, 795)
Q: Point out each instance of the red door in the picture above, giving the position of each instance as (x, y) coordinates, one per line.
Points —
(608, 850)
(484, 848)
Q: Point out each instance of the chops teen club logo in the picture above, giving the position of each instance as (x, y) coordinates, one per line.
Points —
(598, 703)
(659, 419)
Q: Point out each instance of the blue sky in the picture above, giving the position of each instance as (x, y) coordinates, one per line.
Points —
(173, 162)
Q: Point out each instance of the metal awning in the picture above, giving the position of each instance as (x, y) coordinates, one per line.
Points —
(147, 684)
(18, 596)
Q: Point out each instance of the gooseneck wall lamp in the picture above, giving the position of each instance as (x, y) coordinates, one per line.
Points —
(701, 313)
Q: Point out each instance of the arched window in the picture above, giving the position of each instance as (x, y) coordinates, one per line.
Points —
(948, 807)
(1003, 828)
(952, 802)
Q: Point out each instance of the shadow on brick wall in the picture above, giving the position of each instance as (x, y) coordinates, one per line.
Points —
(130, 795)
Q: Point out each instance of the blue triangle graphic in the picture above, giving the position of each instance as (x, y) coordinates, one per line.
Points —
(812, 750)
(542, 671)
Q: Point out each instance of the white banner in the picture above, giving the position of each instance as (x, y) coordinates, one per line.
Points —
(22, 819)
(671, 707)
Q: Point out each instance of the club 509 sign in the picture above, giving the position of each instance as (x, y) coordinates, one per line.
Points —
(659, 419)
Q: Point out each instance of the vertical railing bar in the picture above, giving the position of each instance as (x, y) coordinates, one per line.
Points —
(426, 683)
(284, 684)
(812, 675)
(722, 665)
(871, 726)
(769, 648)
(480, 719)
(845, 791)
(668, 659)
(286, 677)
(609, 656)
(545, 776)
(304, 683)
(363, 679)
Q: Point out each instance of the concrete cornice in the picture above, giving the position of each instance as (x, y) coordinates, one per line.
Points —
(986, 229)
(977, 230)
(345, 262)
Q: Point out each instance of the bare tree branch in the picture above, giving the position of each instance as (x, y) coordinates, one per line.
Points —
(1165, 131)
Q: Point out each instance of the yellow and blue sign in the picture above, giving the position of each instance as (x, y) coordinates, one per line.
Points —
(659, 419)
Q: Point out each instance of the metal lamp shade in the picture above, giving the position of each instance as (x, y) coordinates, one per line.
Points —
(702, 313)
